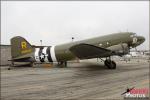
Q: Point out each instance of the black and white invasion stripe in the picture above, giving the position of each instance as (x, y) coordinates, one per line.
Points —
(45, 54)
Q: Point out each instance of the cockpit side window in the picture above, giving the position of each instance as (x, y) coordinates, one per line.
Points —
(133, 35)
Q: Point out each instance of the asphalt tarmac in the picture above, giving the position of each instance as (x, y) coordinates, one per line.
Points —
(88, 79)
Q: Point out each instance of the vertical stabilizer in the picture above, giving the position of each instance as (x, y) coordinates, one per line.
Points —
(20, 48)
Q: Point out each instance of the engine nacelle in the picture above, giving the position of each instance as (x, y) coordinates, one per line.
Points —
(120, 49)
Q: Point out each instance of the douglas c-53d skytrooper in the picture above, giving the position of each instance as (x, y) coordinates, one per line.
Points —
(98, 47)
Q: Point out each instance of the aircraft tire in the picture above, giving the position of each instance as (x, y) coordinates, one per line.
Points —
(110, 64)
(106, 63)
(9, 68)
(113, 65)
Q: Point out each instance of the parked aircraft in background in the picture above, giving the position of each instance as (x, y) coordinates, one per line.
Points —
(98, 47)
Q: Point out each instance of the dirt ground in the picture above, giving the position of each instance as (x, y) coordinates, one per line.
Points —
(85, 80)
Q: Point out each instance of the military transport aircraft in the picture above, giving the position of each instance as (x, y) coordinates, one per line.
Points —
(98, 47)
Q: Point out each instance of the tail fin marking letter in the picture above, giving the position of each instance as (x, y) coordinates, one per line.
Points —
(23, 45)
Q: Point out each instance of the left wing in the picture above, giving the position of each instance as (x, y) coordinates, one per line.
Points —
(87, 51)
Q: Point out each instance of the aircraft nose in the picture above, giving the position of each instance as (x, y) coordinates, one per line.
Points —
(140, 39)
(137, 40)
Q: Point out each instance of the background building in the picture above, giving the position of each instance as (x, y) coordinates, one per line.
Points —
(5, 54)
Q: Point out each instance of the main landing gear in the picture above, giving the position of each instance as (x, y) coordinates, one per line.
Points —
(110, 64)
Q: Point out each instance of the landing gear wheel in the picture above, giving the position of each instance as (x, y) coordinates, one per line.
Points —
(11, 65)
(110, 64)
(9, 68)
(113, 65)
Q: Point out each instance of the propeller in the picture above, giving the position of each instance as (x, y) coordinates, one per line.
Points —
(134, 37)
(126, 50)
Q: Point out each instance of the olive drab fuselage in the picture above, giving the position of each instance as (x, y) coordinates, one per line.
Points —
(62, 52)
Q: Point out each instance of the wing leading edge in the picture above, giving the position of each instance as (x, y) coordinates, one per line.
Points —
(87, 51)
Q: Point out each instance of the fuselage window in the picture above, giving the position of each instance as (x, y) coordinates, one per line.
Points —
(100, 44)
(107, 43)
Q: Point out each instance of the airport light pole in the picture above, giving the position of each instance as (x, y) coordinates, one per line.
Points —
(41, 42)
(72, 39)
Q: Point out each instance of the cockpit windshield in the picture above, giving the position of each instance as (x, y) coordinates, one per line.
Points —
(133, 35)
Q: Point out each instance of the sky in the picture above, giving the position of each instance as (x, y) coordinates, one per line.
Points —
(56, 22)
